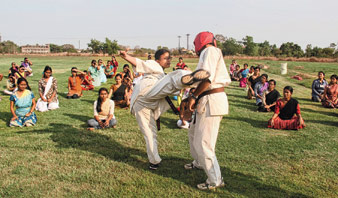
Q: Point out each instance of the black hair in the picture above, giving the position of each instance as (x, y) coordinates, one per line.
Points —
(246, 64)
(85, 71)
(73, 68)
(238, 66)
(93, 61)
(252, 67)
(160, 52)
(125, 65)
(321, 72)
(289, 88)
(334, 76)
(257, 68)
(47, 68)
(272, 80)
(99, 101)
(23, 79)
(265, 75)
(22, 66)
(25, 58)
(180, 58)
(118, 75)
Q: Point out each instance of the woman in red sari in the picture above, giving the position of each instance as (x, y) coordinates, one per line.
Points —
(285, 110)
(330, 99)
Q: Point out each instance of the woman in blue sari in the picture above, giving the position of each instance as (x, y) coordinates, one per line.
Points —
(23, 100)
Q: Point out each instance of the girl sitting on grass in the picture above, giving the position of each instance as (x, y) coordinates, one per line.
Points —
(103, 112)
(23, 100)
(74, 84)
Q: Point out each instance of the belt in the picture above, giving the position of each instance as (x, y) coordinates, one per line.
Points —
(211, 91)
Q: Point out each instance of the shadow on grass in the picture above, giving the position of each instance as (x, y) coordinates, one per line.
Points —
(321, 112)
(171, 167)
(254, 123)
(81, 118)
(5, 116)
(326, 122)
(169, 122)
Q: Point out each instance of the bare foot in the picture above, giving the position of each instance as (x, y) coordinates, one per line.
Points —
(90, 129)
(114, 126)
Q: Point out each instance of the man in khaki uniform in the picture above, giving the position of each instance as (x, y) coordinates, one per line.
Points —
(212, 104)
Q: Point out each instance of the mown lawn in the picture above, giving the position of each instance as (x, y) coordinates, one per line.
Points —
(59, 158)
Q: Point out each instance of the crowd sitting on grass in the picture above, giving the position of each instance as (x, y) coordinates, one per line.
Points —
(258, 86)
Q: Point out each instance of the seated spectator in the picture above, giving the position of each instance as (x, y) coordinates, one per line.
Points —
(117, 92)
(270, 98)
(87, 83)
(236, 75)
(103, 112)
(260, 88)
(129, 90)
(102, 71)
(21, 73)
(48, 89)
(318, 87)
(95, 73)
(27, 65)
(252, 82)
(287, 112)
(330, 96)
(24, 102)
(180, 64)
(13, 69)
(115, 64)
(232, 67)
(251, 71)
(244, 73)
(11, 85)
(109, 71)
(74, 84)
(126, 72)
(186, 116)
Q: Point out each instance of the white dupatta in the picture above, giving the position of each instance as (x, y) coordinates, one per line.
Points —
(42, 105)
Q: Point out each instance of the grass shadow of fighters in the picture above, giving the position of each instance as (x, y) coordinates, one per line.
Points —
(171, 166)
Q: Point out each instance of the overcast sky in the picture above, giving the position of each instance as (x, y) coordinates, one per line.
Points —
(150, 23)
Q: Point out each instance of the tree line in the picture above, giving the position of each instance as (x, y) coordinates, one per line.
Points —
(247, 46)
(229, 46)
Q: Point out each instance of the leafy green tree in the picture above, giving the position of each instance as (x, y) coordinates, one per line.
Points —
(290, 49)
(231, 47)
(96, 46)
(308, 51)
(110, 47)
(251, 48)
(264, 49)
(9, 47)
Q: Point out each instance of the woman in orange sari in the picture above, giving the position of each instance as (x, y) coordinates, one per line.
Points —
(74, 84)
(330, 98)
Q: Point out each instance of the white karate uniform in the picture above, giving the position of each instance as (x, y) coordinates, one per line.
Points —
(148, 103)
(146, 109)
(210, 110)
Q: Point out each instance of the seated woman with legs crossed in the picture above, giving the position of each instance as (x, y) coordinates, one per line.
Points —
(103, 112)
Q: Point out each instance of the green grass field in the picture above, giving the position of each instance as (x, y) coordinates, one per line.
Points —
(59, 158)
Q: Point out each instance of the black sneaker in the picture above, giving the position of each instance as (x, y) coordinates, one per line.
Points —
(195, 76)
(154, 166)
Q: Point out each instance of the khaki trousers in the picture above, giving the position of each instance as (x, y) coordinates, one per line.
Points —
(202, 139)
